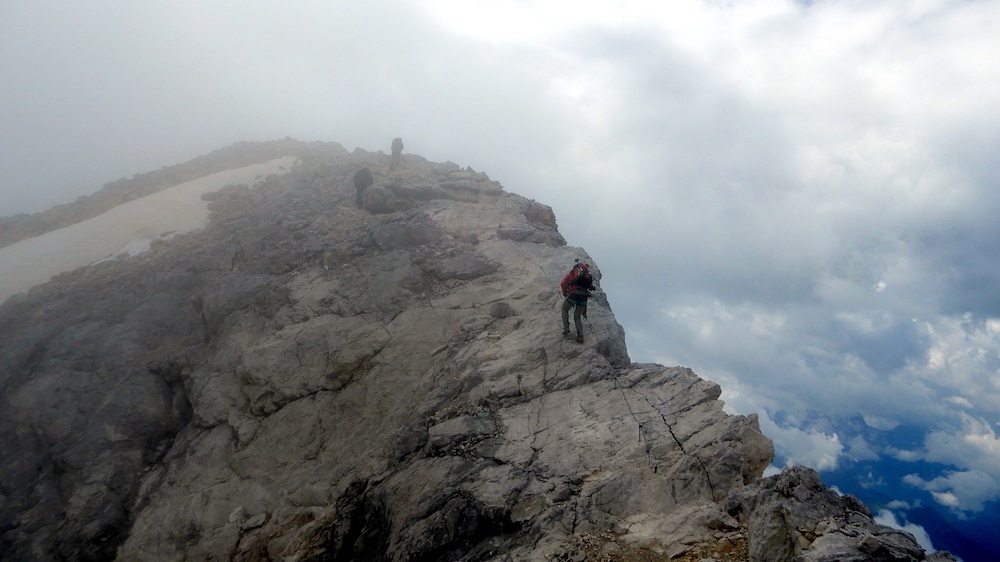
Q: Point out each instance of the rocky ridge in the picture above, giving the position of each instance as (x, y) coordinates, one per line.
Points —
(306, 380)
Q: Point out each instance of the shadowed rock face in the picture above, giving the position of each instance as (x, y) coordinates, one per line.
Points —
(307, 380)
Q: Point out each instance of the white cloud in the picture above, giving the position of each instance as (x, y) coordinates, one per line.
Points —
(975, 450)
(959, 401)
(905, 455)
(805, 447)
(964, 357)
(808, 447)
(889, 519)
(947, 499)
(976, 444)
(506, 22)
(860, 450)
(964, 491)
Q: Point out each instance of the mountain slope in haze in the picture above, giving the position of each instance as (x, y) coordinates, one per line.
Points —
(23, 226)
(128, 228)
(307, 379)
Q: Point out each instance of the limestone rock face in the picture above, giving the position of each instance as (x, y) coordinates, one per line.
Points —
(309, 380)
(792, 516)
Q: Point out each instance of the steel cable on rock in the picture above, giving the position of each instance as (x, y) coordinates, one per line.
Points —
(643, 435)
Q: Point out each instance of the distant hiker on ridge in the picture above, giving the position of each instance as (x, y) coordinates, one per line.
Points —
(362, 179)
(397, 151)
(576, 287)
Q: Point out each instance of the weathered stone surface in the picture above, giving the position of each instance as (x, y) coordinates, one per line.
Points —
(387, 383)
(792, 516)
(380, 200)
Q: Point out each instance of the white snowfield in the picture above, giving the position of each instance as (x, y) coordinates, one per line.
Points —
(126, 229)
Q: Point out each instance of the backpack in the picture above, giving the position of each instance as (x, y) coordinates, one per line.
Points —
(569, 280)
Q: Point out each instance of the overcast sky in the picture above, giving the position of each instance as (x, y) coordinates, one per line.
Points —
(799, 200)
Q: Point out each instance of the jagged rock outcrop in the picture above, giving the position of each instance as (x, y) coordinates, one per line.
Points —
(307, 380)
(792, 516)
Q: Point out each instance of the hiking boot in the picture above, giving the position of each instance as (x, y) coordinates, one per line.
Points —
(565, 333)
(579, 338)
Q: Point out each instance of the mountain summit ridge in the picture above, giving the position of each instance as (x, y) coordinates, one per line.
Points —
(304, 379)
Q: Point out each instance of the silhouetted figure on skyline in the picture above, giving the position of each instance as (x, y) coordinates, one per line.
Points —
(397, 151)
